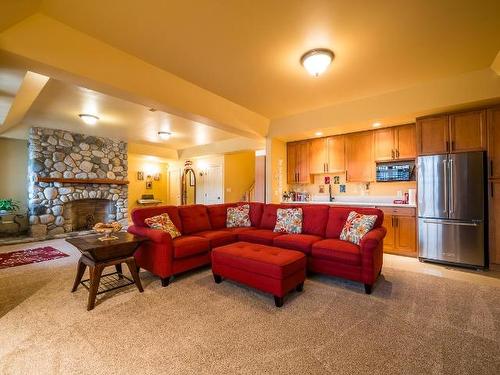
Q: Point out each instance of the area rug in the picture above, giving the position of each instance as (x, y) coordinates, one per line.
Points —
(22, 257)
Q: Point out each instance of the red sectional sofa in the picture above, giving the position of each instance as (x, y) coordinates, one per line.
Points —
(204, 228)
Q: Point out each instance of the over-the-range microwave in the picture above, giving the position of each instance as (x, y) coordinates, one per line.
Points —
(395, 171)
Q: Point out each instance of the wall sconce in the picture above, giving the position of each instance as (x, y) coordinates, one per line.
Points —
(157, 176)
(140, 176)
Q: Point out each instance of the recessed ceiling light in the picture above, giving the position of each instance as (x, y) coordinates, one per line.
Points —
(316, 61)
(318, 134)
(164, 135)
(376, 124)
(88, 119)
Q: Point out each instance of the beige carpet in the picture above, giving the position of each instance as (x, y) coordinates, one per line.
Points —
(420, 320)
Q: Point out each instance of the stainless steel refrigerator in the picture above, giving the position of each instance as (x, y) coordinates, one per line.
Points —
(452, 208)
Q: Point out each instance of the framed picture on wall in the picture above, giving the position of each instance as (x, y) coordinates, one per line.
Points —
(149, 184)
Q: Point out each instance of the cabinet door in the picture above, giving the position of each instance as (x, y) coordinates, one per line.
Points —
(494, 142)
(494, 223)
(384, 144)
(291, 157)
(302, 163)
(432, 135)
(468, 131)
(406, 142)
(360, 164)
(318, 152)
(406, 230)
(336, 154)
(389, 237)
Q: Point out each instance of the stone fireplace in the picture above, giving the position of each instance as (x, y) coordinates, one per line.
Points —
(74, 180)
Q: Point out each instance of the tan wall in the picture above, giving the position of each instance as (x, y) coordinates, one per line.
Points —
(14, 169)
(275, 170)
(136, 188)
(239, 174)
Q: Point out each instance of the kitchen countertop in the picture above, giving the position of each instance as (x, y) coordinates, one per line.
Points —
(360, 204)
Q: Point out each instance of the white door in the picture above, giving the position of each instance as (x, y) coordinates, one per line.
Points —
(212, 185)
(174, 187)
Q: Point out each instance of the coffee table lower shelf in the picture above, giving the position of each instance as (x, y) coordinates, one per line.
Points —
(109, 283)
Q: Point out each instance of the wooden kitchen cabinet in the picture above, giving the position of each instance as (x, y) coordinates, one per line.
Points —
(456, 132)
(468, 131)
(494, 143)
(336, 154)
(395, 143)
(433, 135)
(401, 228)
(494, 222)
(384, 144)
(360, 163)
(298, 163)
(318, 155)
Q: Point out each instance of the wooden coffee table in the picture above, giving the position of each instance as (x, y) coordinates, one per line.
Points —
(98, 255)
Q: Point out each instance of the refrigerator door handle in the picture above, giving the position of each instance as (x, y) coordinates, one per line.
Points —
(445, 175)
(452, 189)
(449, 222)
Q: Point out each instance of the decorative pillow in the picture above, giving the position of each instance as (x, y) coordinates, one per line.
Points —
(356, 226)
(163, 222)
(288, 220)
(238, 216)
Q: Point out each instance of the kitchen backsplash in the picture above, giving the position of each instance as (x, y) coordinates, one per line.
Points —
(341, 187)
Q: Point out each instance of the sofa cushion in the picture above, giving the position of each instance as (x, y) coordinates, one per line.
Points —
(300, 242)
(140, 214)
(315, 218)
(356, 226)
(194, 218)
(337, 251)
(217, 213)
(261, 236)
(337, 216)
(238, 216)
(288, 220)
(260, 259)
(238, 230)
(218, 237)
(162, 222)
(256, 209)
(186, 246)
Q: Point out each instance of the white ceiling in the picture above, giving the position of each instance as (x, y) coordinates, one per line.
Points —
(59, 104)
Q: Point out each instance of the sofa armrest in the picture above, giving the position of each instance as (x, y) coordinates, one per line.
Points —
(155, 235)
(372, 254)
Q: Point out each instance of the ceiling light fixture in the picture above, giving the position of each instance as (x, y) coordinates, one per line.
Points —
(376, 124)
(164, 135)
(316, 61)
(318, 134)
(89, 119)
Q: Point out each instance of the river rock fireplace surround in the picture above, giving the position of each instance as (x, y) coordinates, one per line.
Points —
(74, 180)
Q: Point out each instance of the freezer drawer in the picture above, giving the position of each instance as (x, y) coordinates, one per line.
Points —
(452, 241)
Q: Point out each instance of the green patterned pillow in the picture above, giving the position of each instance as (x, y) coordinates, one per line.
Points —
(288, 220)
(356, 226)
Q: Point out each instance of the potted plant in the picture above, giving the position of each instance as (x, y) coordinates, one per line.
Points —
(7, 208)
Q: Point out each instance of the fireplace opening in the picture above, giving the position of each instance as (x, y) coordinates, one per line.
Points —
(85, 213)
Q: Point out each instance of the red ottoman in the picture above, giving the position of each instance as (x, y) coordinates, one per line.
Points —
(267, 268)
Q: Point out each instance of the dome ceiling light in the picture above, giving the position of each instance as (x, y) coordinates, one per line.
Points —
(316, 61)
(89, 119)
(164, 135)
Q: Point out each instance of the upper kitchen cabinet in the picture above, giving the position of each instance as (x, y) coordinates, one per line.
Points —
(433, 135)
(494, 142)
(318, 155)
(336, 154)
(457, 132)
(360, 162)
(298, 163)
(395, 143)
(468, 131)
(326, 155)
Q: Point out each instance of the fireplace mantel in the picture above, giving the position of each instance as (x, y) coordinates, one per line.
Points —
(106, 181)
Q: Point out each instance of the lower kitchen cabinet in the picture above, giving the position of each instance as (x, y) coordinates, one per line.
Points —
(401, 228)
(494, 222)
